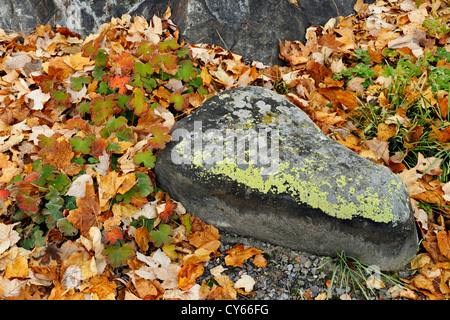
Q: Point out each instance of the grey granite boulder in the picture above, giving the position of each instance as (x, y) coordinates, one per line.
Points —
(251, 163)
(251, 28)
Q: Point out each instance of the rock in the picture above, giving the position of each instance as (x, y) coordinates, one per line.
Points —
(251, 163)
(81, 16)
(320, 11)
(250, 28)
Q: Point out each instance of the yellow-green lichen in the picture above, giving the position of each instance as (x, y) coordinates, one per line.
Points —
(345, 205)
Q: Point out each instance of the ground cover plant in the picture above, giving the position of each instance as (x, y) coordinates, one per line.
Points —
(82, 119)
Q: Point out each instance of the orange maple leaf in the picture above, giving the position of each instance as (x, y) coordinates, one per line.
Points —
(118, 82)
(60, 155)
(187, 275)
(238, 254)
(168, 212)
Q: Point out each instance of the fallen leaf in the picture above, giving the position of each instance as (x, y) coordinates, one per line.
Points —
(8, 236)
(246, 282)
(238, 254)
(443, 241)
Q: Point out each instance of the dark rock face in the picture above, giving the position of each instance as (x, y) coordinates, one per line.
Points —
(251, 28)
(249, 162)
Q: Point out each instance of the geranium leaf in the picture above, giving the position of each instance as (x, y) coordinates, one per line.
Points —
(162, 236)
(28, 203)
(66, 227)
(169, 63)
(160, 136)
(138, 102)
(82, 144)
(168, 45)
(113, 125)
(143, 69)
(125, 61)
(118, 82)
(147, 158)
(180, 101)
(77, 83)
(146, 50)
(118, 255)
(112, 236)
(186, 71)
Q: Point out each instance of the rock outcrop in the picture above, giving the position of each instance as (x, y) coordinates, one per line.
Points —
(250, 28)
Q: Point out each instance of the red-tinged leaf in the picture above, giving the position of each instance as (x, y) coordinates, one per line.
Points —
(168, 45)
(102, 108)
(160, 136)
(62, 98)
(138, 102)
(28, 203)
(29, 178)
(169, 63)
(118, 82)
(90, 49)
(169, 211)
(125, 61)
(77, 123)
(180, 101)
(111, 236)
(4, 194)
(146, 50)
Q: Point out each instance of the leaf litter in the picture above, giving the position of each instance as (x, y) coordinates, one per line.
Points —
(80, 120)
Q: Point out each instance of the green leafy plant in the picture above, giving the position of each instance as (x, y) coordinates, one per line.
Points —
(361, 70)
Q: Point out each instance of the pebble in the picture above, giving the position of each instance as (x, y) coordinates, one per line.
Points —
(289, 274)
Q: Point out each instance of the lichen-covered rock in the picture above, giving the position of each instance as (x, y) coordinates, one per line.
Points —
(250, 162)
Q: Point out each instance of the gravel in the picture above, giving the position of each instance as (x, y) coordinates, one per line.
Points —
(289, 274)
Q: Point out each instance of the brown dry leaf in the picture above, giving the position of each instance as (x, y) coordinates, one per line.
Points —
(108, 186)
(355, 85)
(443, 241)
(61, 155)
(142, 238)
(430, 165)
(204, 237)
(380, 148)
(246, 282)
(100, 288)
(385, 131)
(238, 254)
(410, 178)
(446, 190)
(199, 256)
(87, 212)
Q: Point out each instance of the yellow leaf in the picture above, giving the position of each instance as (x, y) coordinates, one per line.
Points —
(18, 269)
(142, 238)
(78, 62)
(124, 209)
